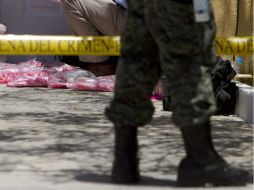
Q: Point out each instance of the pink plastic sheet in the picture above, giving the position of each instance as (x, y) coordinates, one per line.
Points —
(33, 73)
(64, 79)
(106, 83)
(157, 92)
(59, 67)
(102, 84)
(27, 77)
(30, 63)
(12, 73)
(83, 83)
(29, 81)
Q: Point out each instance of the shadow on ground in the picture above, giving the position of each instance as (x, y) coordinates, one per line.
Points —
(107, 179)
(83, 152)
(70, 140)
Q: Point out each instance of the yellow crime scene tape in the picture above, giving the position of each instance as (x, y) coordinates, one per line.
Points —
(234, 45)
(59, 45)
(99, 46)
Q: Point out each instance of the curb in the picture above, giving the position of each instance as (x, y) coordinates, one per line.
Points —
(244, 102)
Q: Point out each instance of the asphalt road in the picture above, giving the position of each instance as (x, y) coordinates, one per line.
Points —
(60, 140)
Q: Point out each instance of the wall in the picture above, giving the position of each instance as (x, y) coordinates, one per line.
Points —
(235, 18)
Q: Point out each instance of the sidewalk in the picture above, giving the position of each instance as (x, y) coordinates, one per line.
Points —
(60, 140)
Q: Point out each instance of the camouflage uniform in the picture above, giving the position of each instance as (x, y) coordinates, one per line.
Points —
(162, 38)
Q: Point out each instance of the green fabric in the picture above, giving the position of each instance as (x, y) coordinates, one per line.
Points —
(162, 38)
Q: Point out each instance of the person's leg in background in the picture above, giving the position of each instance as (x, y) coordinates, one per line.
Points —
(166, 98)
(187, 56)
(3, 30)
(95, 18)
(137, 73)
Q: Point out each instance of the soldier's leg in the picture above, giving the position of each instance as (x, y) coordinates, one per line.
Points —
(187, 56)
(137, 74)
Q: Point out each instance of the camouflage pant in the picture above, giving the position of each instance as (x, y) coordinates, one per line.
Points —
(162, 38)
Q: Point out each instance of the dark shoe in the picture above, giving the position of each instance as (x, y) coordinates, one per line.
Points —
(107, 67)
(192, 174)
(126, 164)
(100, 69)
(203, 165)
(70, 60)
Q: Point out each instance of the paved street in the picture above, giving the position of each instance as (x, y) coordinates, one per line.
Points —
(60, 140)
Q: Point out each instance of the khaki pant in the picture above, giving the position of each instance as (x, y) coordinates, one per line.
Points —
(3, 30)
(94, 18)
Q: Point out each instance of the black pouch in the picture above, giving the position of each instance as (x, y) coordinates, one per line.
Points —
(226, 99)
(224, 89)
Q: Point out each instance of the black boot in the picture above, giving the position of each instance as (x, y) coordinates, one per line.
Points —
(126, 164)
(202, 165)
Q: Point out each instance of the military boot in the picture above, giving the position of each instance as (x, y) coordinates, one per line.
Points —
(202, 165)
(126, 164)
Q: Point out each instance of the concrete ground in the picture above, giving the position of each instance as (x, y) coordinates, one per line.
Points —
(60, 140)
